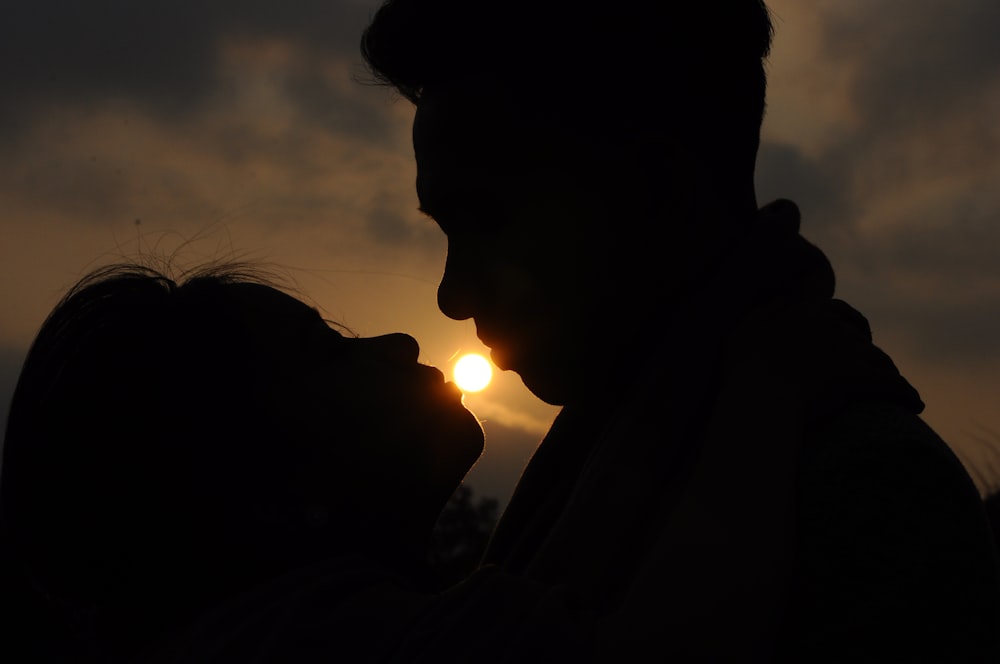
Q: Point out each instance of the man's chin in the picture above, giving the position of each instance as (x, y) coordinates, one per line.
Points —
(545, 383)
(552, 392)
(538, 373)
(501, 359)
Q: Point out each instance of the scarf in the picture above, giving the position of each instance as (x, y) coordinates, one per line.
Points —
(641, 505)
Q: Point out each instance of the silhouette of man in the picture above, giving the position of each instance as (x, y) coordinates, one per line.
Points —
(592, 165)
(762, 489)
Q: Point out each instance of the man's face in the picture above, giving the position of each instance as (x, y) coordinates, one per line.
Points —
(536, 255)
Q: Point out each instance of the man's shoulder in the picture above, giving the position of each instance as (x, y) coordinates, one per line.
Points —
(869, 431)
(877, 458)
(893, 546)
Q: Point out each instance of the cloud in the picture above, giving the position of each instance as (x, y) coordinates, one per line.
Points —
(959, 332)
(248, 116)
(785, 171)
(71, 51)
(185, 115)
(898, 185)
(919, 61)
(401, 225)
(159, 52)
(176, 62)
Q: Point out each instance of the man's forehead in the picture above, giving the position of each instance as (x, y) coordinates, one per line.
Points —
(508, 128)
(466, 147)
(464, 124)
(471, 135)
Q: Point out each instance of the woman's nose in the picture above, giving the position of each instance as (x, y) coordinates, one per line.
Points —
(397, 347)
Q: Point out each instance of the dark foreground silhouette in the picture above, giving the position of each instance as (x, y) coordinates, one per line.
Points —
(760, 488)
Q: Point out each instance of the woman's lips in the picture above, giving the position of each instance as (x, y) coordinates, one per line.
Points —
(438, 383)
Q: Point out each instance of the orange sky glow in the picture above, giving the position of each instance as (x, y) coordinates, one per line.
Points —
(250, 137)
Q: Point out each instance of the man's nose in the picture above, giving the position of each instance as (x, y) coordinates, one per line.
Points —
(395, 347)
(455, 292)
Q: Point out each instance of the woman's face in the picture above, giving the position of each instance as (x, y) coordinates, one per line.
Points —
(372, 428)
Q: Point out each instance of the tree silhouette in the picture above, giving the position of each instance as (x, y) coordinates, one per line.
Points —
(460, 535)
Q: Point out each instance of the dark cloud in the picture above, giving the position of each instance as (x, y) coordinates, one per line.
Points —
(904, 200)
(965, 248)
(215, 115)
(387, 225)
(918, 60)
(950, 333)
(947, 276)
(817, 186)
(79, 186)
(329, 107)
(936, 285)
(156, 52)
(159, 53)
(390, 227)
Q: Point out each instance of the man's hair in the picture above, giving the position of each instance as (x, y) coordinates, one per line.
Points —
(627, 67)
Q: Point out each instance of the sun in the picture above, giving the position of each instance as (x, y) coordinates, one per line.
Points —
(472, 372)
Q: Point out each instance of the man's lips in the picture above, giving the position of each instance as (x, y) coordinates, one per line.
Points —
(503, 358)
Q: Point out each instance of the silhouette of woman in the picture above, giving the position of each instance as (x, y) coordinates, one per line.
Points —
(171, 444)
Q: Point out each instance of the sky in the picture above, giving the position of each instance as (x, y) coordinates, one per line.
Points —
(241, 130)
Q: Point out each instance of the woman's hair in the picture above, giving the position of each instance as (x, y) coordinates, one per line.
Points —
(134, 441)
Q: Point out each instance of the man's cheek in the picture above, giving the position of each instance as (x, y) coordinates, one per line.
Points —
(517, 286)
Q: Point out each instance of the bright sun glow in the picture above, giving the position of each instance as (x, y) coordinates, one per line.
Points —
(473, 372)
